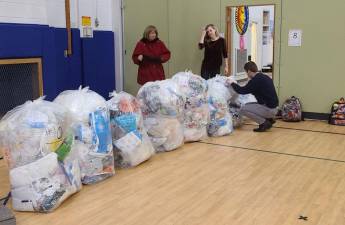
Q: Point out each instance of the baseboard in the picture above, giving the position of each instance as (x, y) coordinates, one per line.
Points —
(315, 116)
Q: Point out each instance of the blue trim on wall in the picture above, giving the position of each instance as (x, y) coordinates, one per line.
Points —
(91, 60)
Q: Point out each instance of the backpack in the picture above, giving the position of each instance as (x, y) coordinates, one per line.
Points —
(292, 110)
(337, 116)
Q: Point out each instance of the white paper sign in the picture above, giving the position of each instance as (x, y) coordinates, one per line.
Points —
(295, 38)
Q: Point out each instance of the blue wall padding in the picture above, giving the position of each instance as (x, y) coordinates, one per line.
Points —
(91, 64)
(99, 69)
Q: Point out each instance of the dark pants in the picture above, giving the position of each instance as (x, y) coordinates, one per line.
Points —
(208, 73)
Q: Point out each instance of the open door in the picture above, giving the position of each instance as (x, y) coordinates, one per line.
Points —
(255, 44)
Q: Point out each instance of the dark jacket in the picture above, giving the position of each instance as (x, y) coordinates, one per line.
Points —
(155, 53)
(262, 87)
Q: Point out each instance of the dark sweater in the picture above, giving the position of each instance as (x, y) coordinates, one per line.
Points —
(261, 86)
(214, 53)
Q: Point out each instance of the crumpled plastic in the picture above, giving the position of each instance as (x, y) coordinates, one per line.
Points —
(218, 100)
(132, 145)
(89, 119)
(162, 105)
(196, 112)
(236, 102)
(39, 150)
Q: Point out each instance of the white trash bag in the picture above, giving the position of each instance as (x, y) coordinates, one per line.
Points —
(132, 145)
(218, 100)
(196, 111)
(89, 118)
(40, 155)
(162, 106)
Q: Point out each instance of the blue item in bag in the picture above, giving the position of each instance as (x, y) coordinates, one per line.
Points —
(100, 126)
(127, 122)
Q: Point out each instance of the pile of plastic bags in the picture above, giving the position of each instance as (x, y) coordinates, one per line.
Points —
(132, 145)
(162, 106)
(218, 100)
(196, 112)
(41, 155)
(89, 117)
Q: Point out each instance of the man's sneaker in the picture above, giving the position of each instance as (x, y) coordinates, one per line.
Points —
(264, 126)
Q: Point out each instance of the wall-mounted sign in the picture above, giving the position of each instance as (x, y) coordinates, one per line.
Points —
(87, 31)
(295, 38)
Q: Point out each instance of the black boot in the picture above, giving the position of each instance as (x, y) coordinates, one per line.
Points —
(272, 120)
(263, 127)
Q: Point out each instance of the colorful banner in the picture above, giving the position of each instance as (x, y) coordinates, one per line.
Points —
(242, 22)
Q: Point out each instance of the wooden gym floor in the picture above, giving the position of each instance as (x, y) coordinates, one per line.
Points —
(247, 178)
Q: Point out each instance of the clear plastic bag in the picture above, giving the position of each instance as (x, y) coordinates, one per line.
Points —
(80, 103)
(39, 152)
(43, 185)
(132, 145)
(218, 100)
(162, 106)
(196, 111)
(30, 131)
(89, 119)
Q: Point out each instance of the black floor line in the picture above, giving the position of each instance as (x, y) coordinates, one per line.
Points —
(288, 128)
(273, 152)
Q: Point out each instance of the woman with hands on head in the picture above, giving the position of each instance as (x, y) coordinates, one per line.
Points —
(215, 51)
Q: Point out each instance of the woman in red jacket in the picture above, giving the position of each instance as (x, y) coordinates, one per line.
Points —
(149, 54)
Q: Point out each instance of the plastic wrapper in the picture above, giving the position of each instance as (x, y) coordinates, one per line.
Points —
(132, 145)
(236, 102)
(237, 118)
(166, 133)
(30, 131)
(42, 185)
(162, 106)
(43, 168)
(196, 111)
(89, 119)
(218, 100)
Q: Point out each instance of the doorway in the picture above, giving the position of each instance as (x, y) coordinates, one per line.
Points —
(250, 37)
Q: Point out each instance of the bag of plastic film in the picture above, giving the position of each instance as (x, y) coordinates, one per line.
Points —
(132, 145)
(162, 105)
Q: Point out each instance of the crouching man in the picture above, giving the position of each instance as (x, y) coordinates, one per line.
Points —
(262, 87)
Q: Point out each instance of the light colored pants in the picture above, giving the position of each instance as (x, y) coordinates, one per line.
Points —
(258, 113)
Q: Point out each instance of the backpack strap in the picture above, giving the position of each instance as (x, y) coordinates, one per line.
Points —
(6, 214)
(5, 199)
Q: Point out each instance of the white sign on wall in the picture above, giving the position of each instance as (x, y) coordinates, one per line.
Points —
(87, 31)
(295, 38)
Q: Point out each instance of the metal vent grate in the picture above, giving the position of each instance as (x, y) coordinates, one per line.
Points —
(19, 82)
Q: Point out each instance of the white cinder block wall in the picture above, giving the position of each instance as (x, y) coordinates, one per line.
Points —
(52, 12)
(23, 11)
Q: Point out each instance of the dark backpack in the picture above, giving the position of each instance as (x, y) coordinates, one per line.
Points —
(292, 110)
(337, 116)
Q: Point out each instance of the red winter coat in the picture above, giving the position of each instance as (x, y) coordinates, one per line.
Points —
(155, 53)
